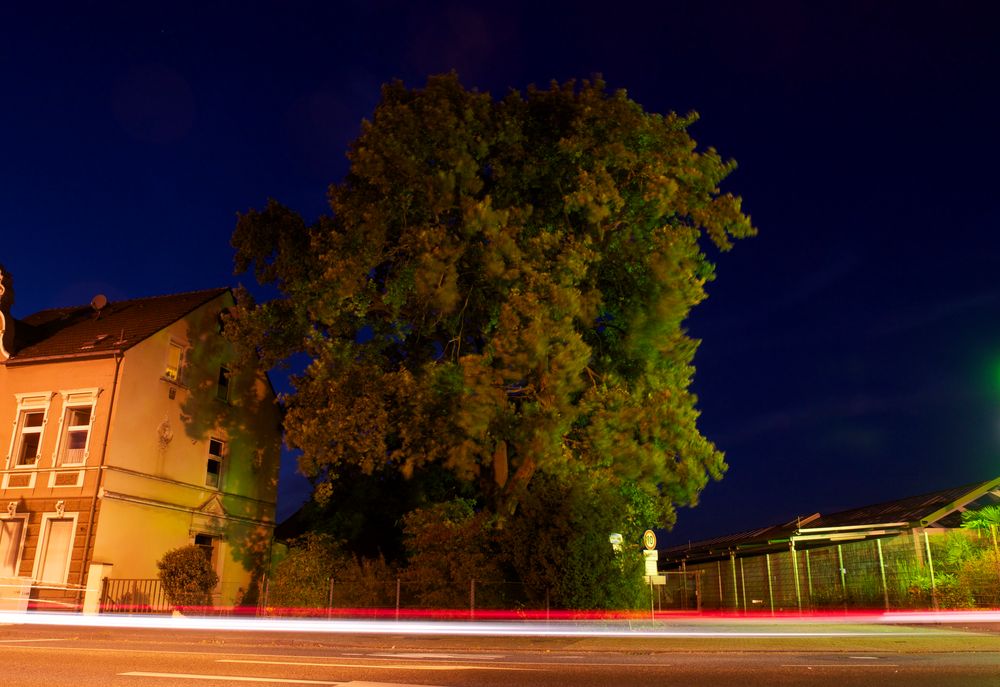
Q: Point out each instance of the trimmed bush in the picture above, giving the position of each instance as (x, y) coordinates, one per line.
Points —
(187, 577)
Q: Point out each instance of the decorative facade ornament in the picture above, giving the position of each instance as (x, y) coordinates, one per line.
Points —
(60, 509)
(6, 318)
(164, 433)
(11, 508)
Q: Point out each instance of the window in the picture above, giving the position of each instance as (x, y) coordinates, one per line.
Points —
(175, 361)
(222, 391)
(29, 436)
(75, 435)
(52, 563)
(213, 472)
(11, 531)
(26, 439)
(209, 545)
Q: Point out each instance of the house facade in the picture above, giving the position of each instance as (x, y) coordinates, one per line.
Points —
(127, 430)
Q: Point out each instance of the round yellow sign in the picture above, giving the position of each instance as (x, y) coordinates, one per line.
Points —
(649, 539)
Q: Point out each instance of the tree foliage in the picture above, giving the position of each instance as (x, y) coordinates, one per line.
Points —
(499, 292)
(448, 547)
(316, 565)
(559, 547)
(187, 577)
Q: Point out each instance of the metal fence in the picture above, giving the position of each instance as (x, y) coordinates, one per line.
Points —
(917, 570)
(133, 596)
(146, 595)
(399, 597)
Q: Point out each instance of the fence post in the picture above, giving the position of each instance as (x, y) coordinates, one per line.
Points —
(684, 583)
(809, 578)
(843, 574)
(472, 599)
(881, 567)
(996, 549)
(261, 586)
(743, 584)
(722, 597)
(652, 601)
(736, 587)
(329, 603)
(546, 604)
(697, 590)
(930, 566)
(104, 594)
(397, 598)
(795, 574)
(770, 587)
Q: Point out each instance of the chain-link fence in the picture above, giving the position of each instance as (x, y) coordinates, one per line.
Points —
(398, 597)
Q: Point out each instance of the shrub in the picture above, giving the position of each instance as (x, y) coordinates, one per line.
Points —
(981, 576)
(301, 579)
(448, 546)
(187, 577)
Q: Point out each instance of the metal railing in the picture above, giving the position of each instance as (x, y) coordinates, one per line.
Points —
(133, 596)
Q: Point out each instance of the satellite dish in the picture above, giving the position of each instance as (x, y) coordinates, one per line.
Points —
(98, 302)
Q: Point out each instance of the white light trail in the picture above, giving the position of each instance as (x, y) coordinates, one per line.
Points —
(708, 627)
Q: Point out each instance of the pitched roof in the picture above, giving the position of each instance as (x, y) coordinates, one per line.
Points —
(938, 509)
(82, 331)
(911, 510)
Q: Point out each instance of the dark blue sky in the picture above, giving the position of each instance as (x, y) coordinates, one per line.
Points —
(851, 351)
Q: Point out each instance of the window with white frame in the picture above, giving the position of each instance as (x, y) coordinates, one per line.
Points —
(76, 426)
(55, 549)
(11, 540)
(216, 454)
(28, 430)
(75, 435)
(175, 362)
(29, 436)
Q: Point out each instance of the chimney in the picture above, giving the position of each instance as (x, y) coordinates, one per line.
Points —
(6, 318)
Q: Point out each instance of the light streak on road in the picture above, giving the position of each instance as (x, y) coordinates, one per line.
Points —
(232, 678)
(445, 667)
(742, 627)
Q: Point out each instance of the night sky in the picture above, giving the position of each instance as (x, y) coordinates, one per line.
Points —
(851, 351)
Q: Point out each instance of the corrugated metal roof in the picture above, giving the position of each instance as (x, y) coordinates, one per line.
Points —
(943, 506)
(910, 510)
(80, 330)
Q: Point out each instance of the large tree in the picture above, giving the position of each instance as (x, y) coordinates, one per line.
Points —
(499, 294)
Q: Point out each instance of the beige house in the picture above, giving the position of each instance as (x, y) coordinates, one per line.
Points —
(126, 430)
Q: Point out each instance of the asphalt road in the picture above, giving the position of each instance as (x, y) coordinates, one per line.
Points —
(713, 654)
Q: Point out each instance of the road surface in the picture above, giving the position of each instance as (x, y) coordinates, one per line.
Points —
(692, 654)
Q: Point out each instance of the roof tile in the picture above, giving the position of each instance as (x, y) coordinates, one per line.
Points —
(79, 330)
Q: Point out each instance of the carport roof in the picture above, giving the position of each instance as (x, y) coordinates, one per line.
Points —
(937, 509)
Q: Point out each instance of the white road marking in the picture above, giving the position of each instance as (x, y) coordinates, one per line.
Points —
(468, 657)
(864, 658)
(398, 666)
(839, 665)
(13, 641)
(233, 678)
